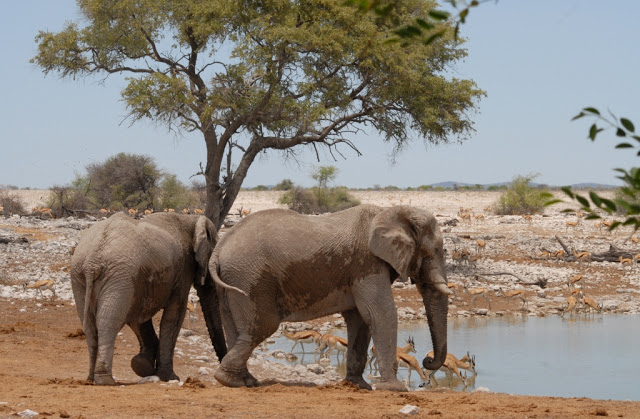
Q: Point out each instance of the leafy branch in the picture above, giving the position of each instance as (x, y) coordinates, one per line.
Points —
(629, 203)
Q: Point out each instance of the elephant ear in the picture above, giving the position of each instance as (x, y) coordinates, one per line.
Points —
(391, 239)
(204, 240)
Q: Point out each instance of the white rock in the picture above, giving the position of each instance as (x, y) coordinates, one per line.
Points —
(482, 390)
(28, 414)
(149, 379)
(410, 409)
(204, 371)
(482, 311)
(315, 368)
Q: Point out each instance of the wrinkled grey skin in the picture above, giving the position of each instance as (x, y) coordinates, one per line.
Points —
(124, 271)
(292, 267)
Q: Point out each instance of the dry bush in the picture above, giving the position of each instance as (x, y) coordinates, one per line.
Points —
(11, 203)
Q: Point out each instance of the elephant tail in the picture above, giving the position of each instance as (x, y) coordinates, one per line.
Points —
(89, 320)
(213, 271)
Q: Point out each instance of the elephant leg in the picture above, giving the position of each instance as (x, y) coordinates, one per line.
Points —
(144, 363)
(172, 318)
(113, 306)
(358, 337)
(79, 288)
(249, 329)
(375, 304)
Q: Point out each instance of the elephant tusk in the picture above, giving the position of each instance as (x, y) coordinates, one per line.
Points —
(442, 287)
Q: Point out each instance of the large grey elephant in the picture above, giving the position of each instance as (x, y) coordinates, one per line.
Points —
(124, 271)
(290, 267)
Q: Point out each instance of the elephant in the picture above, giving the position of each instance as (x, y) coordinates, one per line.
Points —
(123, 271)
(277, 265)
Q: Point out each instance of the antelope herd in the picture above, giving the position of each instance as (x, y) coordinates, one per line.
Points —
(327, 342)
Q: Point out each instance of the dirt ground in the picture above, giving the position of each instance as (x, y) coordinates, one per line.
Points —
(42, 369)
(43, 361)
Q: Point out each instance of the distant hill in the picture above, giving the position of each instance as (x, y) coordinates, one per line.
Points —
(590, 185)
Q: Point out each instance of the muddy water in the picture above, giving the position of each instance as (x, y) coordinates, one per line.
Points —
(584, 356)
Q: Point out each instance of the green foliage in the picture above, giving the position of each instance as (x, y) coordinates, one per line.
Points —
(175, 194)
(318, 200)
(521, 198)
(124, 181)
(425, 187)
(284, 185)
(627, 198)
(497, 187)
(259, 188)
(288, 73)
(324, 175)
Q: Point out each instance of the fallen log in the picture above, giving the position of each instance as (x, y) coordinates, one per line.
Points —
(612, 255)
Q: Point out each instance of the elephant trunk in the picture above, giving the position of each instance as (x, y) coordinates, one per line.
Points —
(210, 305)
(436, 303)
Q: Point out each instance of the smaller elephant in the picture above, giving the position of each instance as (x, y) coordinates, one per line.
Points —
(124, 271)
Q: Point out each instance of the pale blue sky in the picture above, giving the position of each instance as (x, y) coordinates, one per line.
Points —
(540, 62)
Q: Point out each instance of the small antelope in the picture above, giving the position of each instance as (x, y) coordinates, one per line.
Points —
(450, 367)
(191, 311)
(169, 210)
(103, 211)
(571, 305)
(544, 254)
(454, 287)
(513, 294)
(626, 261)
(634, 239)
(132, 212)
(571, 283)
(410, 362)
(186, 211)
(480, 245)
(465, 216)
(302, 337)
(147, 211)
(410, 347)
(559, 254)
(478, 292)
(479, 217)
(571, 224)
(636, 257)
(527, 218)
(467, 362)
(598, 225)
(582, 256)
(42, 285)
(588, 301)
(473, 259)
(198, 211)
(331, 342)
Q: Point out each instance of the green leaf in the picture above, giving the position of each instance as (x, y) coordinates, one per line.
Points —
(593, 131)
(592, 216)
(440, 15)
(463, 15)
(620, 132)
(624, 145)
(592, 110)
(424, 24)
(636, 137)
(628, 125)
(433, 37)
(609, 204)
(583, 201)
(578, 116)
(595, 199)
(552, 202)
(567, 191)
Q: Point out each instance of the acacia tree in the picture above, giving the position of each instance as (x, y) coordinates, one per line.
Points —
(272, 74)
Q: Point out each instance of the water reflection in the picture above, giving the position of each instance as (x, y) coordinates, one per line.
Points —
(580, 356)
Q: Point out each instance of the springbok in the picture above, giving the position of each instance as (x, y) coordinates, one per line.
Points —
(329, 343)
(42, 285)
(513, 294)
(581, 256)
(450, 367)
(467, 362)
(411, 363)
(302, 337)
(480, 245)
(478, 292)
(626, 261)
(571, 305)
(591, 303)
(410, 347)
(571, 283)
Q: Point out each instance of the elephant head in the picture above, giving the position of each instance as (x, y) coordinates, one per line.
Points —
(410, 241)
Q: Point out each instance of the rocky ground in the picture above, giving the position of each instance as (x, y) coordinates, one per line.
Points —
(45, 360)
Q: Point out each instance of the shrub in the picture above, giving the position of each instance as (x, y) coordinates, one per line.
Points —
(10, 202)
(284, 185)
(521, 198)
(318, 200)
(175, 194)
(425, 187)
(259, 188)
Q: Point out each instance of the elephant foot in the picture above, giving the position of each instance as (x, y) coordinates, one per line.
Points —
(393, 385)
(104, 380)
(359, 382)
(143, 366)
(166, 374)
(230, 379)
